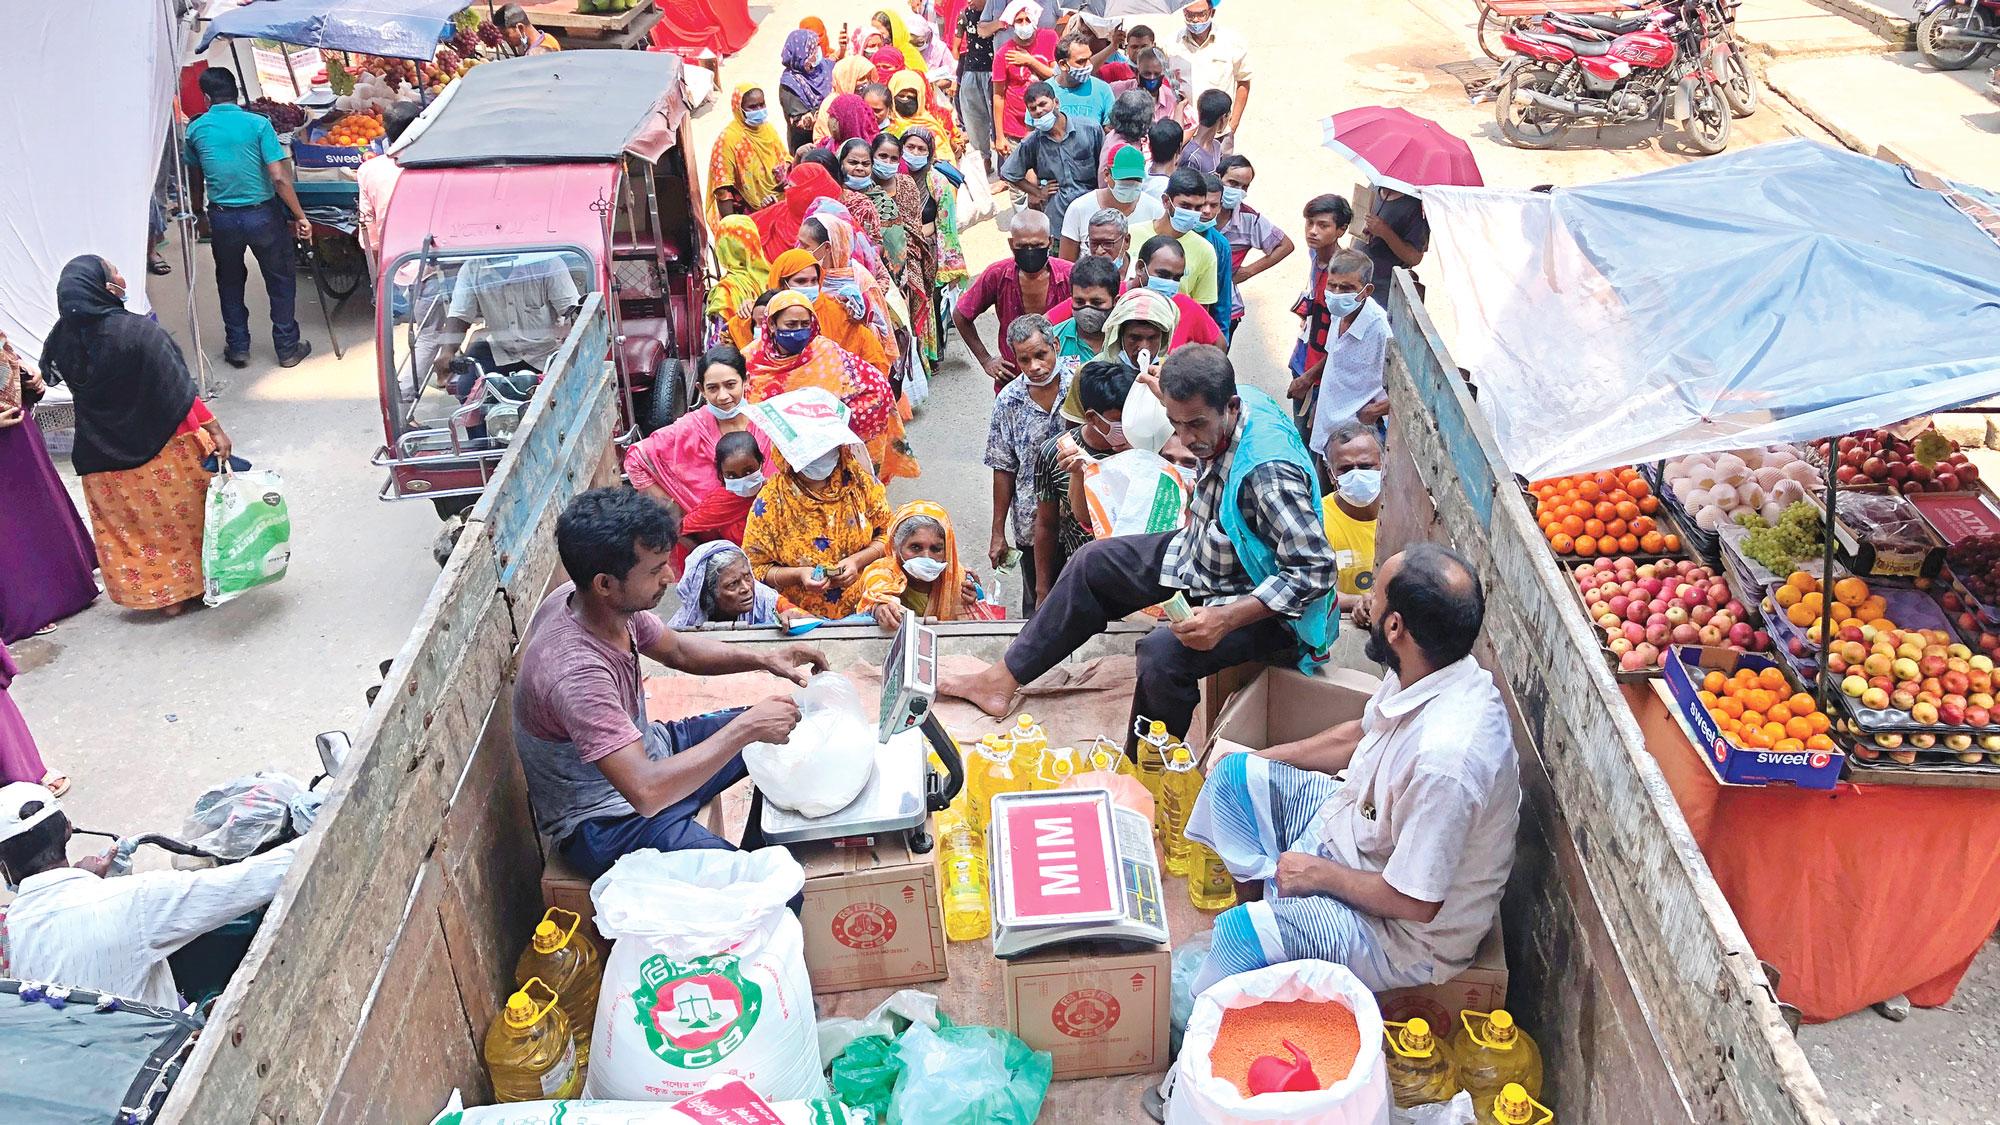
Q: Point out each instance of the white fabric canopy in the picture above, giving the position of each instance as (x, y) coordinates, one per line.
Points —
(91, 91)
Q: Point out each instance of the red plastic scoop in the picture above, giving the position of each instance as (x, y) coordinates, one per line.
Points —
(1270, 1074)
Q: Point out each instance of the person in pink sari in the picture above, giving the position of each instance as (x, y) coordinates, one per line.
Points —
(19, 758)
(676, 465)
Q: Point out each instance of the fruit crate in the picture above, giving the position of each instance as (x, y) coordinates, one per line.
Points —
(1920, 557)
(1640, 675)
(1909, 608)
(1735, 763)
(1663, 516)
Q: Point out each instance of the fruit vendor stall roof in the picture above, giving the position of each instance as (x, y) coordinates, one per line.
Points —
(1781, 293)
(395, 29)
(565, 107)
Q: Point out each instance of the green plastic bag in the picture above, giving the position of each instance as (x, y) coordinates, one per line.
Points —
(246, 535)
(968, 1076)
(864, 1075)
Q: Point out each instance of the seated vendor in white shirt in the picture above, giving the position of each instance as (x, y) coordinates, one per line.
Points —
(69, 925)
(1395, 869)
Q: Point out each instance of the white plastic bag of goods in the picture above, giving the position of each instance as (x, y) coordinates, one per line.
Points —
(1457, 1111)
(1361, 1098)
(706, 977)
(246, 534)
(630, 1113)
(1134, 493)
(829, 758)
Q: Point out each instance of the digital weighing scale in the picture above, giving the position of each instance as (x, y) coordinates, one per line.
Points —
(904, 790)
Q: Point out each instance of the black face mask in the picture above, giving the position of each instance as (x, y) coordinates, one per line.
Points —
(906, 106)
(1090, 321)
(1031, 259)
(1378, 648)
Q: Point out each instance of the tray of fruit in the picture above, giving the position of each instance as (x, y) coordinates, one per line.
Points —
(1712, 491)
(1971, 581)
(355, 130)
(1754, 723)
(1639, 608)
(1795, 608)
(1911, 681)
(1607, 514)
(1762, 553)
(1931, 753)
(1925, 462)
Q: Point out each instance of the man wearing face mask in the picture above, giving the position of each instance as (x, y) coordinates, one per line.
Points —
(1024, 415)
(1162, 269)
(1024, 51)
(1354, 461)
(1093, 288)
(1126, 196)
(1186, 194)
(1357, 347)
(1246, 230)
(1030, 281)
(1251, 565)
(1149, 64)
(1083, 95)
(1395, 870)
(1206, 57)
(1096, 406)
(1056, 163)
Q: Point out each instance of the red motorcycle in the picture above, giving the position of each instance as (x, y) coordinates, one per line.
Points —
(1610, 70)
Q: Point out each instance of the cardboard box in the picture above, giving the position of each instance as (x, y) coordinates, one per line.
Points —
(1807, 769)
(565, 886)
(1284, 705)
(1098, 1013)
(872, 916)
(1482, 987)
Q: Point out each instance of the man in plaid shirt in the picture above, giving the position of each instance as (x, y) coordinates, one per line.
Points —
(1253, 558)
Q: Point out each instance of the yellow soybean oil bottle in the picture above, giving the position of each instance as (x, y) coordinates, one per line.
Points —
(962, 879)
(989, 773)
(1107, 756)
(1210, 885)
(1490, 1051)
(1180, 784)
(567, 962)
(530, 1052)
(1152, 766)
(1512, 1106)
(1420, 1072)
(1030, 745)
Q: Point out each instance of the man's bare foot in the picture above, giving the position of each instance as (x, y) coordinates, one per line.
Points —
(991, 689)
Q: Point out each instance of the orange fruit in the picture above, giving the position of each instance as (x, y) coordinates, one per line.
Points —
(1850, 591)
(1639, 489)
(1652, 542)
(1758, 699)
(1802, 582)
(1819, 722)
(1606, 511)
(1562, 543)
(1779, 713)
(1772, 679)
(1730, 706)
(1627, 510)
(1802, 703)
(1788, 746)
(1786, 596)
(1819, 742)
(1593, 527)
(1573, 524)
(1587, 490)
(1707, 698)
(1616, 528)
(1673, 543)
(1800, 614)
(1586, 546)
(1713, 682)
(1774, 732)
(1649, 504)
(1799, 728)
(1628, 543)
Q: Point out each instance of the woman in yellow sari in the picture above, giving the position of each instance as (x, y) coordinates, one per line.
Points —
(899, 38)
(848, 75)
(921, 571)
(747, 169)
(911, 105)
(814, 528)
(740, 250)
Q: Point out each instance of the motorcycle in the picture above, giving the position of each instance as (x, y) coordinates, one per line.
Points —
(1611, 70)
(1954, 34)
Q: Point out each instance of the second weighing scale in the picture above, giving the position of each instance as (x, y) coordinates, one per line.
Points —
(904, 790)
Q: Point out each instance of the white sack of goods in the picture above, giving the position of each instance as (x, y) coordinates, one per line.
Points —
(706, 979)
(830, 757)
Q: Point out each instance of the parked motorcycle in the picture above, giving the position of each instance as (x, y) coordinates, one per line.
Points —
(1954, 34)
(1655, 64)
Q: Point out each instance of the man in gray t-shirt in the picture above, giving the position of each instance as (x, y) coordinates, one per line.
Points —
(603, 780)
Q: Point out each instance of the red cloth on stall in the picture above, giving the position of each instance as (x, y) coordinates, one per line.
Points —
(722, 26)
(1855, 894)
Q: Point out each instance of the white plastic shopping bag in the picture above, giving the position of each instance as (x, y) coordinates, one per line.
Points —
(828, 759)
(975, 196)
(1361, 1098)
(706, 979)
(246, 533)
(1134, 493)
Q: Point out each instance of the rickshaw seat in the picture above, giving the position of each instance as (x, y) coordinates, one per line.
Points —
(640, 352)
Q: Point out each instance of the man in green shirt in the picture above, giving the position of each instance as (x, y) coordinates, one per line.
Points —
(246, 178)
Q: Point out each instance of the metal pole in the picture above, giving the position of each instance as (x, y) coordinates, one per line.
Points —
(205, 383)
(1824, 680)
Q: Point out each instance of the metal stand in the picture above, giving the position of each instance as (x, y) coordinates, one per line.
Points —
(311, 255)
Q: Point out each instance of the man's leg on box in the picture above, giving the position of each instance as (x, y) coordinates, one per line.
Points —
(597, 844)
(1170, 673)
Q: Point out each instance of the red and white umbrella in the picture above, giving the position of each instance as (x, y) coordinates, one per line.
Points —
(1398, 149)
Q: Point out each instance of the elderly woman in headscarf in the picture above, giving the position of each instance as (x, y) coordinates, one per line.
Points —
(141, 435)
(921, 572)
(717, 589)
(750, 158)
(793, 355)
(740, 251)
(815, 527)
(848, 75)
(778, 224)
(805, 84)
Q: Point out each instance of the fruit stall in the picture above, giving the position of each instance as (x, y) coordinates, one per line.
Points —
(1788, 568)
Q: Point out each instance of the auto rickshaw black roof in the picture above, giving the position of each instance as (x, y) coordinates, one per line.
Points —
(561, 108)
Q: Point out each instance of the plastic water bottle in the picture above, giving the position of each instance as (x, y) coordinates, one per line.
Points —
(1489, 1052)
(1210, 885)
(962, 871)
(530, 1051)
(1152, 765)
(1420, 1072)
(1180, 784)
(1512, 1106)
(568, 964)
(1030, 743)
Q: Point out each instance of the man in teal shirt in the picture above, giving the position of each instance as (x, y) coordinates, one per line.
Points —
(246, 179)
(1093, 290)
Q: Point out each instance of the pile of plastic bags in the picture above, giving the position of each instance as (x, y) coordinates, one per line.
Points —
(933, 1072)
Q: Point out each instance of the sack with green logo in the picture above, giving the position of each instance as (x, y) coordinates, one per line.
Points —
(706, 977)
(246, 534)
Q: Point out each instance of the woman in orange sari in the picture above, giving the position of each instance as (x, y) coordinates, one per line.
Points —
(921, 572)
(842, 312)
(792, 354)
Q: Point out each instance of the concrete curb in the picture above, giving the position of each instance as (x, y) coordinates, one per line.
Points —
(1899, 34)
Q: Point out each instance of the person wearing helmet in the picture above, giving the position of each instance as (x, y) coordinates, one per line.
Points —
(70, 925)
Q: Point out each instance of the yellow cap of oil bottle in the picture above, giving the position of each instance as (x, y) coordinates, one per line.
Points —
(1420, 1072)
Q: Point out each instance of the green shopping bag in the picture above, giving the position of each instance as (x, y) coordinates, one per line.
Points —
(246, 535)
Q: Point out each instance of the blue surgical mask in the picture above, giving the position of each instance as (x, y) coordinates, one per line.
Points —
(816, 59)
(1077, 75)
(1200, 28)
(725, 415)
(1232, 197)
(1340, 304)
(1165, 286)
(1127, 191)
(1185, 219)
(859, 183)
(1043, 123)
(1360, 486)
(917, 161)
(1205, 225)
(1150, 85)
(809, 292)
(756, 117)
(791, 341)
(745, 486)
(887, 169)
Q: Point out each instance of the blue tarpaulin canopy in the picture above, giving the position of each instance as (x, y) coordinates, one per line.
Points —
(1782, 293)
(397, 29)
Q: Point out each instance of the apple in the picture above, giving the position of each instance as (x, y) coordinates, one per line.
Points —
(1853, 686)
(1850, 632)
(1989, 742)
(1875, 698)
(1980, 662)
(1958, 742)
(1878, 663)
(1708, 635)
(1923, 740)
(1658, 634)
(1903, 700)
(1618, 604)
(1609, 622)
(1888, 741)
(1619, 645)
(1634, 633)
(1760, 640)
(1958, 650)
(1980, 699)
(1631, 661)
(1701, 614)
(1904, 669)
(1677, 615)
(1741, 634)
(1883, 682)
(1923, 711)
(1648, 653)
(1874, 467)
(1977, 716)
(1955, 683)
(1635, 611)
(1835, 663)
(1932, 665)
(1686, 633)
(1951, 714)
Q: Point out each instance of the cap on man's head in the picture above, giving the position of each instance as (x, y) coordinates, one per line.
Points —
(1128, 164)
(23, 804)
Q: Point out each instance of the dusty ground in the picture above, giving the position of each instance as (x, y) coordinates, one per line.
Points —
(145, 713)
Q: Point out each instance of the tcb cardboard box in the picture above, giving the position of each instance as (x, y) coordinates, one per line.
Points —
(871, 916)
(1482, 987)
(1284, 705)
(1098, 1013)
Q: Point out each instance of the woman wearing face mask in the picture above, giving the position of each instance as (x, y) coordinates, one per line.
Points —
(717, 588)
(848, 75)
(912, 107)
(676, 465)
(815, 527)
(141, 436)
(921, 572)
(798, 271)
(943, 260)
(897, 33)
(804, 86)
(794, 355)
(750, 158)
(877, 184)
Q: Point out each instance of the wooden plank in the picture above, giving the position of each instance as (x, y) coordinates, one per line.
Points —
(561, 15)
(1698, 993)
